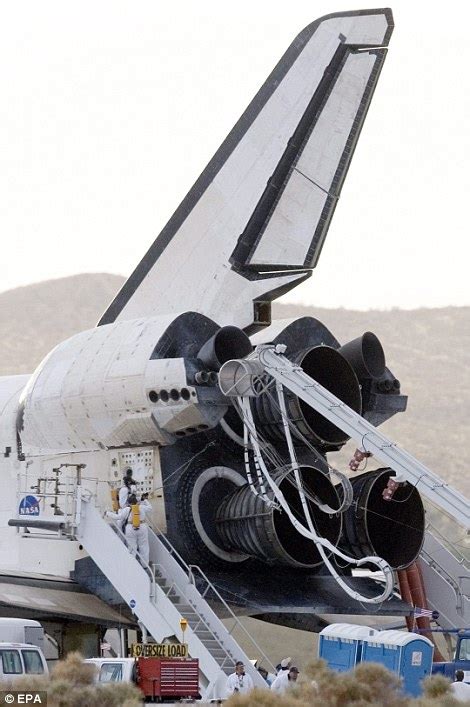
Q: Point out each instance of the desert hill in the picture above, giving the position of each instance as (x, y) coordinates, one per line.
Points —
(427, 349)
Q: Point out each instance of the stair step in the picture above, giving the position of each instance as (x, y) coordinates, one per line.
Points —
(217, 652)
(191, 616)
(210, 643)
(195, 624)
(185, 609)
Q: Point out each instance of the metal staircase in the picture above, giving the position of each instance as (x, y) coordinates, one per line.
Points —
(446, 574)
(162, 593)
(191, 591)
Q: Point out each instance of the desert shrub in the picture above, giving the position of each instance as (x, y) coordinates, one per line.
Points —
(384, 685)
(71, 684)
(266, 698)
(442, 701)
(119, 695)
(63, 694)
(345, 689)
(436, 686)
(318, 670)
(74, 671)
(31, 683)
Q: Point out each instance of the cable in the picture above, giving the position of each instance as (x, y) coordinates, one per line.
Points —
(343, 479)
(183, 466)
(321, 543)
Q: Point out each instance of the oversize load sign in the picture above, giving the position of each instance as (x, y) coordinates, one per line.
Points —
(159, 650)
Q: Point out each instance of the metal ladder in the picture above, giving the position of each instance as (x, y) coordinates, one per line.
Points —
(162, 593)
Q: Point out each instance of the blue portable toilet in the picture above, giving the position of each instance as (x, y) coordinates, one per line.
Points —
(408, 655)
(341, 645)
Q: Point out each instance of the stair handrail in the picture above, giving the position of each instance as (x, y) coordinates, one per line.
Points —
(237, 623)
(153, 595)
(189, 571)
(150, 570)
(458, 556)
(454, 582)
(145, 566)
(201, 620)
(434, 564)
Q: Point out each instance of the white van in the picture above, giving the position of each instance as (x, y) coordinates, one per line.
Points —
(21, 631)
(18, 660)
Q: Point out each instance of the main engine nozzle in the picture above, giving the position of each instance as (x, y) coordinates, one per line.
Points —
(247, 524)
(366, 356)
(329, 368)
(229, 342)
(392, 529)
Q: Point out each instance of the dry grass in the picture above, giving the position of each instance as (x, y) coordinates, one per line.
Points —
(436, 687)
(74, 671)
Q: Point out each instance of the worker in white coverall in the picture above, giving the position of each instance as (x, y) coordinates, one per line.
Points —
(285, 679)
(126, 489)
(137, 537)
(238, 681)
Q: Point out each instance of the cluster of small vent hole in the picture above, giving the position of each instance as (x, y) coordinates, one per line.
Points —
(191, 430)
(165, 396)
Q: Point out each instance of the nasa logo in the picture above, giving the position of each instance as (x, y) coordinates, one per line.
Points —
(29, 506)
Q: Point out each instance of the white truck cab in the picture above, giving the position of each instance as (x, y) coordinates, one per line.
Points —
(114, 669)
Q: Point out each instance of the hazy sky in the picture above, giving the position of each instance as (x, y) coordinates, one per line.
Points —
(111, 109)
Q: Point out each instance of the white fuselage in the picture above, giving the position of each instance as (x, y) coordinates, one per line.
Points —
(95, 390)
(88, 403)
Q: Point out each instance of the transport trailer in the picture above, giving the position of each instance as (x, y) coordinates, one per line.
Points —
(168, 680)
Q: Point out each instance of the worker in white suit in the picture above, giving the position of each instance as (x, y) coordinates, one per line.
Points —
(239, 681)
(128, 487)
(132, 520)
(285, 680)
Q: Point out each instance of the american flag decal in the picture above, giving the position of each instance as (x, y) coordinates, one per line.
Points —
(419, 613)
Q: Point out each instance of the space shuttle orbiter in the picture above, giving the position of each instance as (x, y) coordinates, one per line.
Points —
(141, 390)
